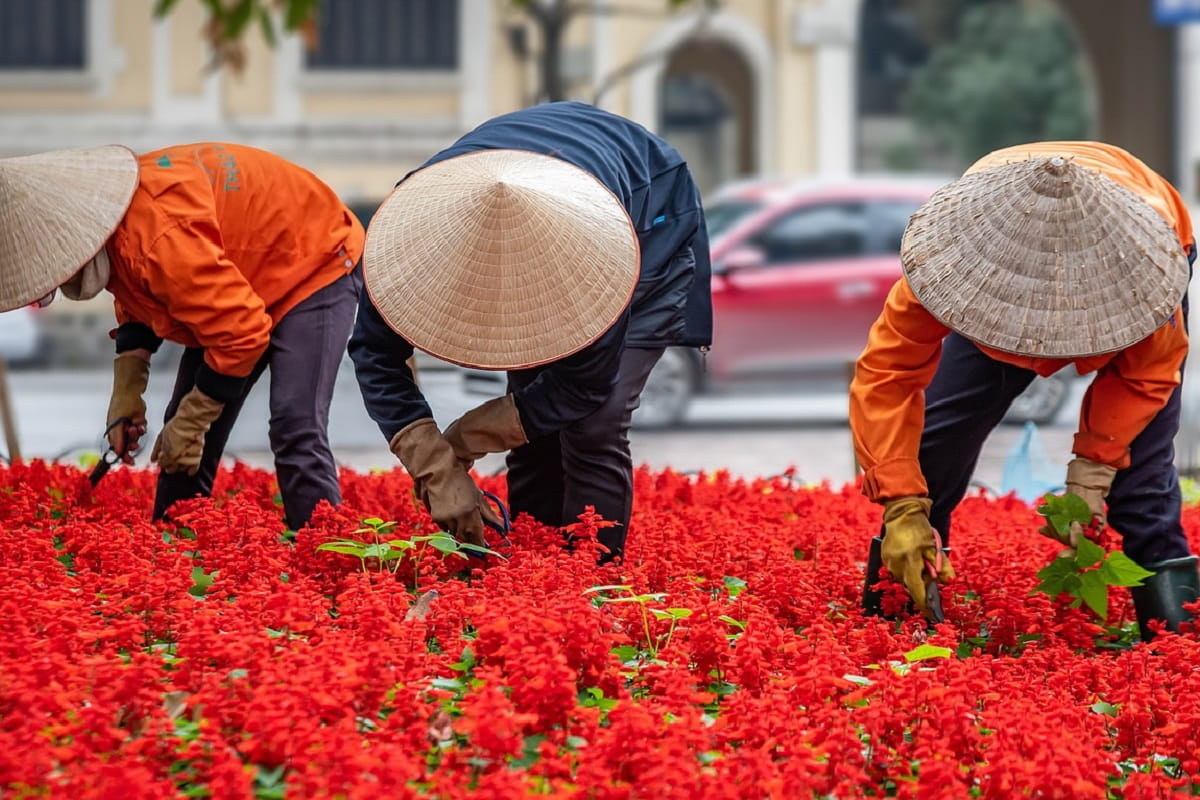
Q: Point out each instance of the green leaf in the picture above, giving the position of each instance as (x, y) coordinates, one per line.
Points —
(1121, 570)
(379, 551)
(576, 742)
(1088, 553)
(671, 613)
(735, 585)
(1094, 591)
(625, 652)
(237, 18)
(443, 543)
(737, 623)
(200, 582)
(1062, 511)
(466, 663)
(267, 26)
(372, 522)
(475, 548)
(163, 7)
(1054, 576)
(349, 546)
(452, 684)
(927, 651)
(298, 12)
(612, 587)
(1101, 707)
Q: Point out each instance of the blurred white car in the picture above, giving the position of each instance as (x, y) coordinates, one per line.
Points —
(23, 343)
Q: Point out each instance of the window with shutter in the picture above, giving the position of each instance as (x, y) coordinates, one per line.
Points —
(379, 35)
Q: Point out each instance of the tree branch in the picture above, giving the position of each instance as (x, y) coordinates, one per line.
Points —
(612, 10)
(627, 69)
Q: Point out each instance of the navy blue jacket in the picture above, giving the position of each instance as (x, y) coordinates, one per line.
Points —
(671, 305)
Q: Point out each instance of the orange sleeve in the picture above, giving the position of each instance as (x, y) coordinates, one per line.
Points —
(189, 273)
(120, 313)
(887, 395)
(1127, 392)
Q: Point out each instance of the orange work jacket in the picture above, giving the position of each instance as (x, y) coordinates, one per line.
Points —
(887, 395)
(219, 242)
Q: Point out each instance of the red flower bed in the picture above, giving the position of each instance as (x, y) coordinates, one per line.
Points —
(223, 657)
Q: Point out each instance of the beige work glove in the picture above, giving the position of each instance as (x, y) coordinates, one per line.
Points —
(493, 427)
(1092, 481)
(131, 374)
(181, 443)
(442, 484)
(908, 543)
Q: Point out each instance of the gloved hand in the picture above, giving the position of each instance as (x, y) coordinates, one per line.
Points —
(131, 373)
(493, 427)
(181, 443)
(908, 542)
(442, 484)
(1092, 481)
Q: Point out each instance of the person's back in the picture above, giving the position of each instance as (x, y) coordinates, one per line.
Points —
(276, 222)
(622, 154)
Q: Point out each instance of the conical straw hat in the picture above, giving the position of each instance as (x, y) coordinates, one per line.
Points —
(1044, 258)
(57, 210)
(501, 259)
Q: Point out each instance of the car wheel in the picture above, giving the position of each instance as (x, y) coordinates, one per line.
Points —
(1041, 402)
(668, 391)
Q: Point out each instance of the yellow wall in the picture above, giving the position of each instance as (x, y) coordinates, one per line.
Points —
(251, 93)
(381, 104)
(510, 83)
(189, 50)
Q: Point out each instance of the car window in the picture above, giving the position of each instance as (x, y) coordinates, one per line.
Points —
(721, 216)
(815, 233)
(889, 218)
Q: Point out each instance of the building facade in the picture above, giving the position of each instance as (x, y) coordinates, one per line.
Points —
(756, 87)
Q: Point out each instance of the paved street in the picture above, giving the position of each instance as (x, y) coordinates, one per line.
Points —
(61, 413)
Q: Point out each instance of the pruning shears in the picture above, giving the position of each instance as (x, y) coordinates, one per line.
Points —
(504, 526)
(933, 594)
(109, 456)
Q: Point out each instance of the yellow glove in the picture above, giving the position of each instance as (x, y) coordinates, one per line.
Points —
(181, 443)
(493, 427)
(442, 483)
(131, 374)
(908, 543)
(1092, 481)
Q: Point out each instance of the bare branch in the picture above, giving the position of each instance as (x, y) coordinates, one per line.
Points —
(614, 10)
(625, 70)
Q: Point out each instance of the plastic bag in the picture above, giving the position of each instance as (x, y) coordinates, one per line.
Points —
(1027, 471)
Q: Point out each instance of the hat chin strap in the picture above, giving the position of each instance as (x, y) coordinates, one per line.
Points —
(90, 280)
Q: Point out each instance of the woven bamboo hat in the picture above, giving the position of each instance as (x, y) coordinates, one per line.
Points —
(57, 210)
(1044, 258)
(501, 259)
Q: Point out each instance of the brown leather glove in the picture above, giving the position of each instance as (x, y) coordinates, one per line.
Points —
(181, 443)
(1092, 481)
(908, 543)
(131, 374)
(442, 484)
(493, 427)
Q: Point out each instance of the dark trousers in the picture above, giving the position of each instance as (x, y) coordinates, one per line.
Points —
(304, 355)
(967, 399)
(588, 463)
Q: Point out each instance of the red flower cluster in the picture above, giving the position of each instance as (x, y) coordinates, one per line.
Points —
(224, 657)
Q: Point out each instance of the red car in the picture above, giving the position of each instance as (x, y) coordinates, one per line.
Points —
(800, 272)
